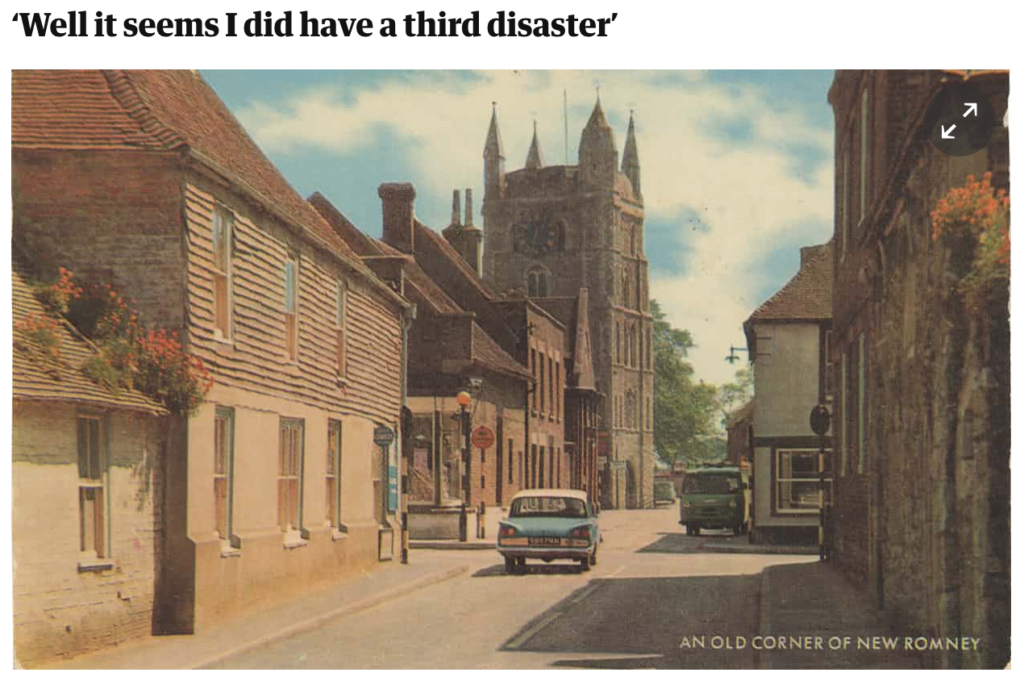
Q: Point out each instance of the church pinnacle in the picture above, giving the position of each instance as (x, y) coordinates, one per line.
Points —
(494, 157)
(630, 158)
(534, 158)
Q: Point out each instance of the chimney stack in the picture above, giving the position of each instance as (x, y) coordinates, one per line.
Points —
(469, 206)
(397, 206)
(457, 207)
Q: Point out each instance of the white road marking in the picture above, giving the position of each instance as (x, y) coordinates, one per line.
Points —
(529, 633)
(617, 571)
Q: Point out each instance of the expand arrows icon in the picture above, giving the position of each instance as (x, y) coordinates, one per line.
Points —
(972, 107)
(946, 133)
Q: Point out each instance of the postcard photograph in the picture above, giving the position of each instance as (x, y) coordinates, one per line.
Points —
(510, 369)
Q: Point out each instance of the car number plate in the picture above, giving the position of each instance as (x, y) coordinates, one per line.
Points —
(545, 541)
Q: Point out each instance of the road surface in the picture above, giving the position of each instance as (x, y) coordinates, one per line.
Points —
(652, 588)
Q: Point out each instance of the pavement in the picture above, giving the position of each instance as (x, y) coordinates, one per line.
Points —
(656, 599)
(836, 624)
(245, 633)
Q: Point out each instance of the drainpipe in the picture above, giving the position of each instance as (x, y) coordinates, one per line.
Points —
(408, 315)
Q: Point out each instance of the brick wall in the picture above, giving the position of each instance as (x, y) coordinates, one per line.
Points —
(59, 609)
(110, 217)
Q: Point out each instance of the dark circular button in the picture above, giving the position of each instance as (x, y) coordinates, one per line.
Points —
(959, 120)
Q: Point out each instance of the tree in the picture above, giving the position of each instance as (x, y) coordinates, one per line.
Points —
(684, 408)
(733, 395)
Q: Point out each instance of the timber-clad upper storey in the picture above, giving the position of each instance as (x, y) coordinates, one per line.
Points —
(275, 301)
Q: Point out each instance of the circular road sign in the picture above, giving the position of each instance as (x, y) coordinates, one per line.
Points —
(482, 438)
(383, 436)
(820, 419)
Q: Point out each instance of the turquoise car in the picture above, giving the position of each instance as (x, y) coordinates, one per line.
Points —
(549, 524)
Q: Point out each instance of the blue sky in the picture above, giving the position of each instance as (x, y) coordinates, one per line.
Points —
(736, 165)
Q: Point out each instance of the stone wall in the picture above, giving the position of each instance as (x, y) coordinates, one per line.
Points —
(922, 492)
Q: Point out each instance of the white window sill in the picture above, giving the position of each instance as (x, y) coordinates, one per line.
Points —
(222, 339)
(95, 564)
(294, 540)
(229, 551)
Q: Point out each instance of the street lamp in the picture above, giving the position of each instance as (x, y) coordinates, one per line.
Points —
(732, 357)
(464, 398)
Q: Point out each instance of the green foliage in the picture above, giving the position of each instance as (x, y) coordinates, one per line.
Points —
(732, 396)
(684, 408)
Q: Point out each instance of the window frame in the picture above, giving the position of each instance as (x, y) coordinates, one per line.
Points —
(333, 475)
(226, 474)
(778, 480)
(861, 403)
(100, 549)
(340, 325)
(291, 309)
(222, 259)
(291, 526)
(865, 151)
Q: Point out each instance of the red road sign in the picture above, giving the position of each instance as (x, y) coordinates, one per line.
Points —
(482, 438)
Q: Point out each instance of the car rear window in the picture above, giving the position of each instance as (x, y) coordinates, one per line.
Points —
(548, 507)
(711, 483)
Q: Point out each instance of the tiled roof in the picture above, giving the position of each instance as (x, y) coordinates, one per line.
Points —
(34, 380)
(366, 246)
(152, 110)
(485, 350)
(456, 263)
(808, 295)
(489, 354)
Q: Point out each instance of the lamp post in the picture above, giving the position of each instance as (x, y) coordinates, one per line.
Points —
(464, 398)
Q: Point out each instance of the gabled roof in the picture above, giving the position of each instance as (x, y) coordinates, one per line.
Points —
(430, 294)
(35, 379)
(421, 288)
(152, 110)
(807, 296)
(574, 314)
(741, 414)
(491, 356)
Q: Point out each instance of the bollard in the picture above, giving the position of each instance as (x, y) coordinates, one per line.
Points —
(405, 537)
(463, 530)
(481, 527)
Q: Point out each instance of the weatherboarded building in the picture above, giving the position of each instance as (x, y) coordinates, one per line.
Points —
(145, 180)
(923, 367)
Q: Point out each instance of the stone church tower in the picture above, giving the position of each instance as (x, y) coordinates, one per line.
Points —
(552, 230)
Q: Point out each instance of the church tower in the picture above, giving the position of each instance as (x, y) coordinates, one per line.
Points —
(551, 230)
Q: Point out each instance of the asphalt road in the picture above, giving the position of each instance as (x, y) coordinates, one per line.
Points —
(651, 589)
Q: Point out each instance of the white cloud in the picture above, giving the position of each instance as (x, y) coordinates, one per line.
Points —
(745, 193)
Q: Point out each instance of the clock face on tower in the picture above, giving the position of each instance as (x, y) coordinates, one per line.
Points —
(535, 235)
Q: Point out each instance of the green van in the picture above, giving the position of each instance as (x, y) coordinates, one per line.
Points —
(715, 497)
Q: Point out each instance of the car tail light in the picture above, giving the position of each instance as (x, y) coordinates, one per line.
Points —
(507, 531)
(580, 533)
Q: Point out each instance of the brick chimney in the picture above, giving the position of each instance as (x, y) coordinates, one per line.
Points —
(397, 205)
(467, 239)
